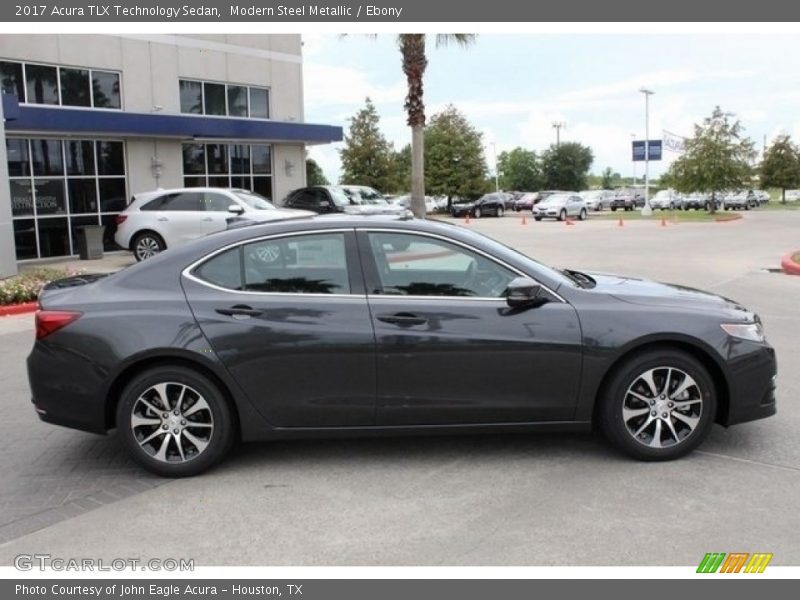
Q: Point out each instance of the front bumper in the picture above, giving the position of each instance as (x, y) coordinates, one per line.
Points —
(752, 385)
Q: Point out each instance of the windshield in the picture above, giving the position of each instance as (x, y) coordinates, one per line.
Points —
(340, 198)
(253, 200)
(556, 198)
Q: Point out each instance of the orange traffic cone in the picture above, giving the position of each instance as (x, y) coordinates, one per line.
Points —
(466, 219)
(524, 220)
(621, 223)
(663, 222)
(569, 222)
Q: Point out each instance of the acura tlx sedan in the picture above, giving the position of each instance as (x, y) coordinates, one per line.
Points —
(347, 325)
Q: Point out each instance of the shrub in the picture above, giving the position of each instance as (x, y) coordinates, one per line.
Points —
(26, 286)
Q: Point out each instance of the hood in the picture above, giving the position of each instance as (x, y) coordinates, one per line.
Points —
(653, 293)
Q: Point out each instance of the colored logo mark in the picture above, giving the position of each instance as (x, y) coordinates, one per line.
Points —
(734, 562)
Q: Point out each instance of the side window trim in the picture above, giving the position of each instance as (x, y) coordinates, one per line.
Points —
(352, 257)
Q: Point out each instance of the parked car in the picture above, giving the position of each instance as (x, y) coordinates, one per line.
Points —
(405, 202)
(665, 200)
(738, 201)
(597, 199)
(696, 202)
(526, 201)
(761, 196)
(624, 201)
(155, 221)
(330, 326)
(560, 206)
(488, 204)
(326, 199)
(792, 195)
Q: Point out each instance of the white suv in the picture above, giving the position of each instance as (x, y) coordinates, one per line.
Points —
(155, 221)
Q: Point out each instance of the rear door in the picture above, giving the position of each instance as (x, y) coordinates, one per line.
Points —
(288, 317)
(180, 217)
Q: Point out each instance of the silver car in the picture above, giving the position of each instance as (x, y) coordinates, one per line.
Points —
(560, 206)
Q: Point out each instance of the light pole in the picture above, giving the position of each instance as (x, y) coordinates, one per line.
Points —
(646, 210)
(496, 179)
(557, 125)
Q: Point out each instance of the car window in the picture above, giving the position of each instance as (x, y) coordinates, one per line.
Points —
(216, 202)
(183, 201)
(415, 265)
(304, 264)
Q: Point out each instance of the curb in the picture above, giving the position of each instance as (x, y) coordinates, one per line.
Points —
(789, 266)
(727, 218)
(18, 309)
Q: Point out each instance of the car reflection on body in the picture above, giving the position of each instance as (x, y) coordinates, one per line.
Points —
(348, 325)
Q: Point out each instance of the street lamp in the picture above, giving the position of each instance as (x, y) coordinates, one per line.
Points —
(646, 210)
(496, 179)
(557, 125)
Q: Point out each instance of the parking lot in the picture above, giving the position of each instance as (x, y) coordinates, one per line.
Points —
(490, 500)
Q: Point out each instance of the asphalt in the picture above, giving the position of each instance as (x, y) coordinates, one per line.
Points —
(491, 500)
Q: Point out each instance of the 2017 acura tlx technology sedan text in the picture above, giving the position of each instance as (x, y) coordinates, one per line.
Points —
(351, 325)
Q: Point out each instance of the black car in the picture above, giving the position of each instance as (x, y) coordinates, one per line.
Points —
(326, 326)
(623, 201)
(488, 204)
(328, 199)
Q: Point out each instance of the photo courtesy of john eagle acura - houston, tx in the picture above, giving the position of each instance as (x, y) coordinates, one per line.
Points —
(346, 325)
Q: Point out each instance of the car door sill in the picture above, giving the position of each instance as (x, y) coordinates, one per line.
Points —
(412, 430)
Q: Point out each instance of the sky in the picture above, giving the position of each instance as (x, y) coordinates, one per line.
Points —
(513, 87)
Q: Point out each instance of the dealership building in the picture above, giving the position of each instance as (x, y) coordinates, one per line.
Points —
(90, 120)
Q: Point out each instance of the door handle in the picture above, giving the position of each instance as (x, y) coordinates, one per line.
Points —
(162, 219)
(402, 319)
(208, 219)
(239, 310)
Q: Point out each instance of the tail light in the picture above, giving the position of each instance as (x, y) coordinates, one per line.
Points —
(120, 219)
(49, 321)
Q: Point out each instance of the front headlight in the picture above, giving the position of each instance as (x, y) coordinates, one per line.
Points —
(745, 331)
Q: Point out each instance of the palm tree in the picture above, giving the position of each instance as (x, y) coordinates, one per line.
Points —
(412, 47)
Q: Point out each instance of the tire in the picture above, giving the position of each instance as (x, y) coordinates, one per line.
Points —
(500, 211)
(613, 209)
(477, 213)
(582, 215)
(672, 206)
(181, 456)
(537, 218)
(562, 216)
(695, 406)
(147, 244)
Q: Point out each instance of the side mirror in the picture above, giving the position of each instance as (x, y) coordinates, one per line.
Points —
(235, 209)
(523, 292)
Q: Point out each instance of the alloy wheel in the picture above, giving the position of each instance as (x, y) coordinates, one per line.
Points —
(172, 422)
(147, 247)
(662, 407)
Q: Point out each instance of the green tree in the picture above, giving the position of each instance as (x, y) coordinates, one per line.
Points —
(401, 171)
(454, 161)
(781, 166)
(717, 157)
(566, 166)
(367, 156)
(519, 170)
(415, 61)
(314, 174)
(607, 178)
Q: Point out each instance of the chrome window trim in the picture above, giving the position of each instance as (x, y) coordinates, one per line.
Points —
(486, 255)
(187, 272)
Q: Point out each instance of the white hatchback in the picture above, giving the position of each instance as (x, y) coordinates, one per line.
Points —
(155, 221)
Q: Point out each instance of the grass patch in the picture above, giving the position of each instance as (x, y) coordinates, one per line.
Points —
(682, 216)
(776, 205)
(26, 286)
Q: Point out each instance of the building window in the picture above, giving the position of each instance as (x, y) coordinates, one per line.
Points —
(61, 86)
(220, 99)
(58, 185)
(246, 166)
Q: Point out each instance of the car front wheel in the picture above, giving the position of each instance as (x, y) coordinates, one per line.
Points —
(477, 213)
(500, 211)
(147, 244)
(658, 406)
(174, 421)
(562, 216)
(582, 214)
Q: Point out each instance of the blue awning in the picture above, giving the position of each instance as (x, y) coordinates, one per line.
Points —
(93, 122)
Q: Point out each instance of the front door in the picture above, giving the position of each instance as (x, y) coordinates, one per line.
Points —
(450, 350)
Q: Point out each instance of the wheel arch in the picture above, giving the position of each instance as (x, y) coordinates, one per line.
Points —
(146, 362)
(692, 347)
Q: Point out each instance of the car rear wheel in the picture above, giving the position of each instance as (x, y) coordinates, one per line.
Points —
(147, 244)
(537, 218)
(613, 209)
(658, 406)
(500, 211)
(477, 213)
(174, 421)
